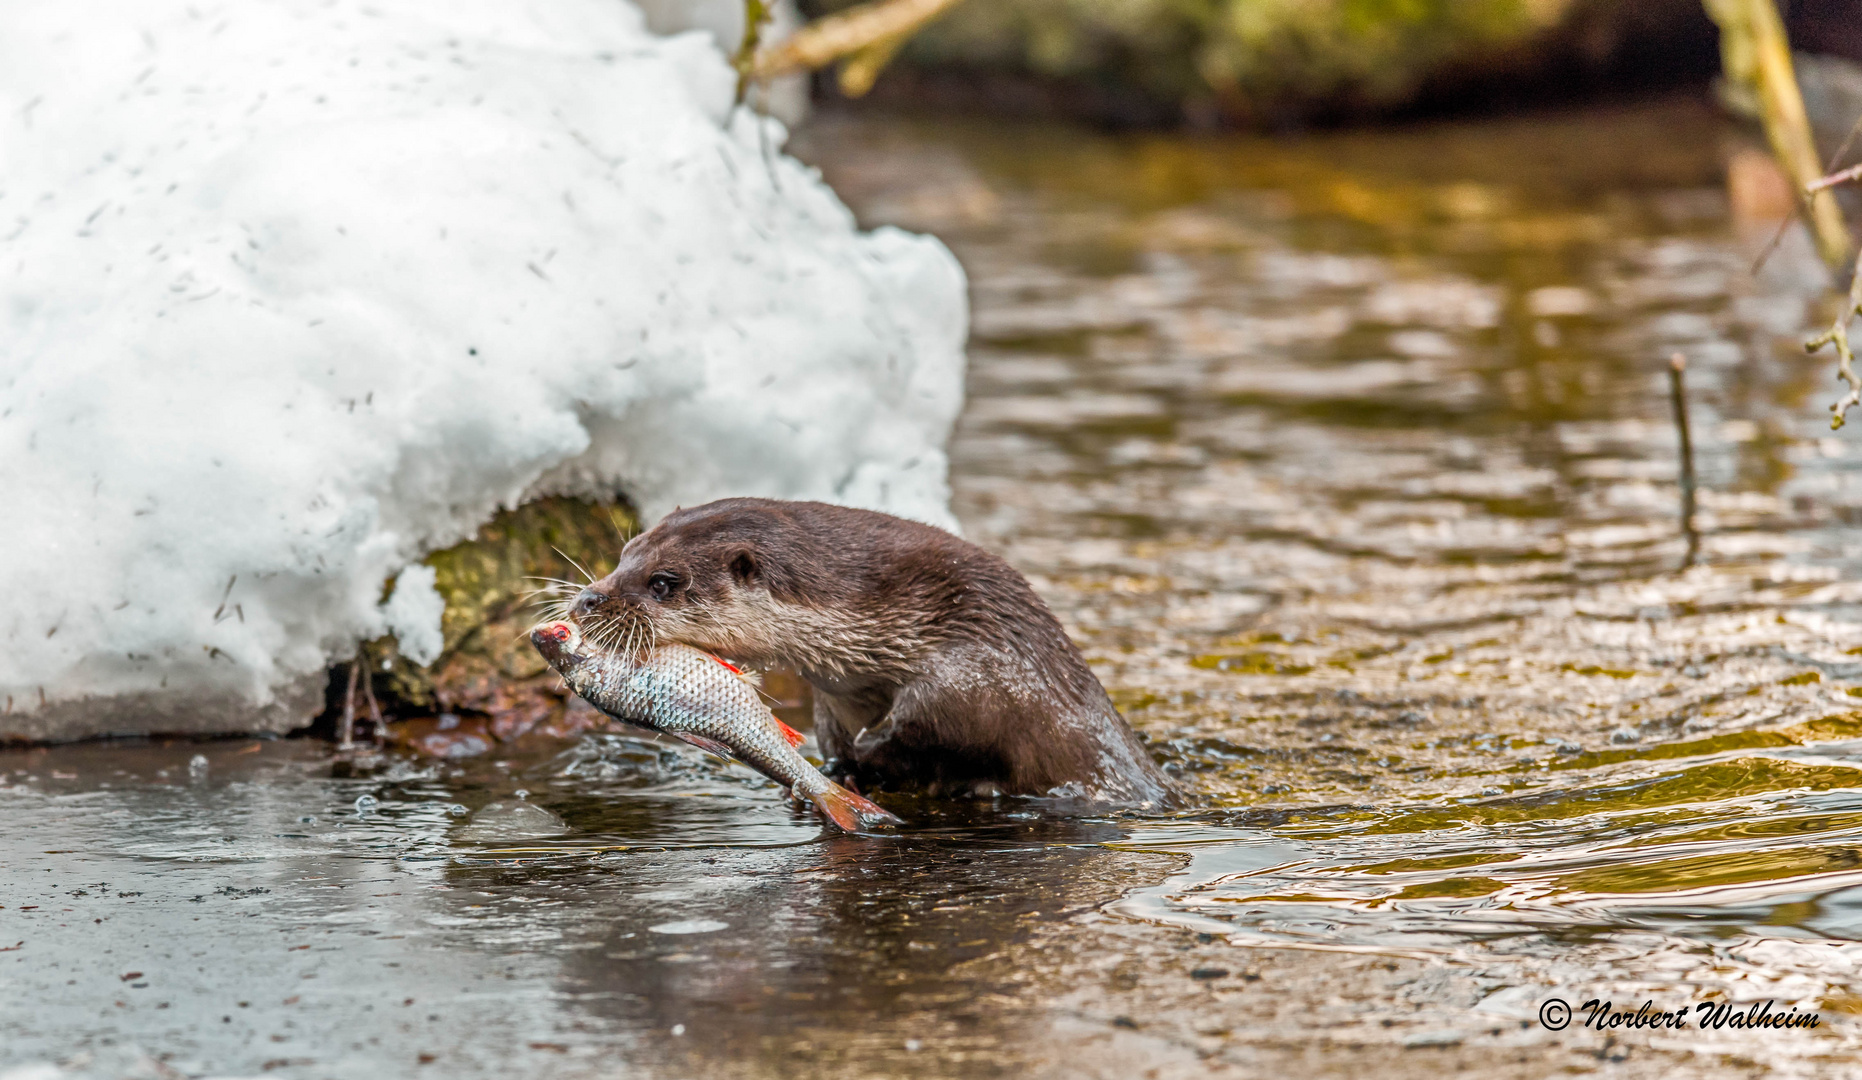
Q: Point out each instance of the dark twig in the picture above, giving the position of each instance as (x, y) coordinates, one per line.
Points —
(1849, 140)
(1776, 239)
(1677, 395)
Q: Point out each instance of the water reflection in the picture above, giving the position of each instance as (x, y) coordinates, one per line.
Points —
(1350, 463)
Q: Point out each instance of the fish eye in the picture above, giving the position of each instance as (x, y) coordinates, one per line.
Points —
(662, 584)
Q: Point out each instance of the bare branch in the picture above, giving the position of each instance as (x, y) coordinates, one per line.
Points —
(1756, 56)
(1854, 172)
(756, 14)
(1838, 335)
(867, 36)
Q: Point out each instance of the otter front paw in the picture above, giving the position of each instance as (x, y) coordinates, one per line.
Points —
(841, 771)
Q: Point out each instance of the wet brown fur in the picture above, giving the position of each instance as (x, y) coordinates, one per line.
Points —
(934, 663)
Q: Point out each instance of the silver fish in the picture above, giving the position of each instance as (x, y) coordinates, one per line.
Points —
(702, 700)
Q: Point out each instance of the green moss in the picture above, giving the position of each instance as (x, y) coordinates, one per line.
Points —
(1592, 669)
(489, 578)
(1250, 663)
(488, 584)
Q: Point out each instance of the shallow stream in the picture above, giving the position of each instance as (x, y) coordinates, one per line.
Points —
(1349, 461)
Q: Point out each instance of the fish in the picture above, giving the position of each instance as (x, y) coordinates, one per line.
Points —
(705, 701)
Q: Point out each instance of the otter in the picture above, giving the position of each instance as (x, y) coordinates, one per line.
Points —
(934, 664)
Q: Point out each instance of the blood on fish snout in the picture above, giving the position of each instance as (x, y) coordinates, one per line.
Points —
(552, 640)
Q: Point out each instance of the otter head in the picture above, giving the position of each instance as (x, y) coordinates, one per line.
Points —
(714, 577)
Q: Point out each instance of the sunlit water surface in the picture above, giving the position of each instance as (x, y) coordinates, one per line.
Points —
(1349, 463)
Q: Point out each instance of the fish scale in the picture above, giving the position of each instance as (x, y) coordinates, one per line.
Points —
(702, 700)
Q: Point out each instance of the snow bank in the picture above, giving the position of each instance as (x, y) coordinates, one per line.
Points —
(292, 293)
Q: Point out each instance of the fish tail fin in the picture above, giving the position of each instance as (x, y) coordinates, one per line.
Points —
(853, 813)
(794, 737)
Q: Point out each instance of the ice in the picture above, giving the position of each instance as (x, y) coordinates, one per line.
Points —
(500, 821)
(690, 926)
(294, 293)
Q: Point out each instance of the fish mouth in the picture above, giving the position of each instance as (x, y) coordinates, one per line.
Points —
(557, 640)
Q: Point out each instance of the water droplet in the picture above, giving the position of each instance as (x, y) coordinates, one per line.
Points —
(502, 821)
(457, 810)
(307, 820)
(521, 793)
(689, 926)
(366, 804)
(678, 1029)
(913, 1045)
(197, 765)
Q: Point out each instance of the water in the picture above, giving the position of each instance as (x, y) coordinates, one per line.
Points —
(1348, 463)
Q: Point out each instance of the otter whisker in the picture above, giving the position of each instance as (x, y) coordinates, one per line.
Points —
(609, 635)
(578, 566)
(552, 580)
(551, 597)
(556, 588)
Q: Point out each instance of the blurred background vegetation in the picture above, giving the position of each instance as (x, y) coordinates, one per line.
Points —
(1276, 63)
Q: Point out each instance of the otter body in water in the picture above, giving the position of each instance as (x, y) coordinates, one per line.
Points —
(934, 663)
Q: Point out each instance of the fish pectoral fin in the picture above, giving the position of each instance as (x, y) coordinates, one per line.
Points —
(789, 734)
(711, 746)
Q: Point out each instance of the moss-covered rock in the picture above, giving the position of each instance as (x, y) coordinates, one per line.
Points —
(487, 671)
(489, 686)
(1250, 61)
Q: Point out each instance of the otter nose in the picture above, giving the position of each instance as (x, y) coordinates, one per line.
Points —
(587, 602)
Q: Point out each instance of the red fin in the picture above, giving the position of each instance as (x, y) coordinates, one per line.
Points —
(708, 745)
(853, 813)
(795, 737)
(750, 677)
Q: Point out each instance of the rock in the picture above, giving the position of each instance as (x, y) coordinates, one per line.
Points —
(488, 685)
(1272, 61)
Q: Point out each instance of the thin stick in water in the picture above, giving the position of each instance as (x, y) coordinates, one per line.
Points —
(346, 727)
(378, 729)
(1677, 395)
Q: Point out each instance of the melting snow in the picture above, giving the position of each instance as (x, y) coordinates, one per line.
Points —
(293, 293)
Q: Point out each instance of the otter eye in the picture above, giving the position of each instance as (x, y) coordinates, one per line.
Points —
(661, 585)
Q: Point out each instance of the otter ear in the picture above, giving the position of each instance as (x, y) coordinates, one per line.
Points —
(743, 568)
